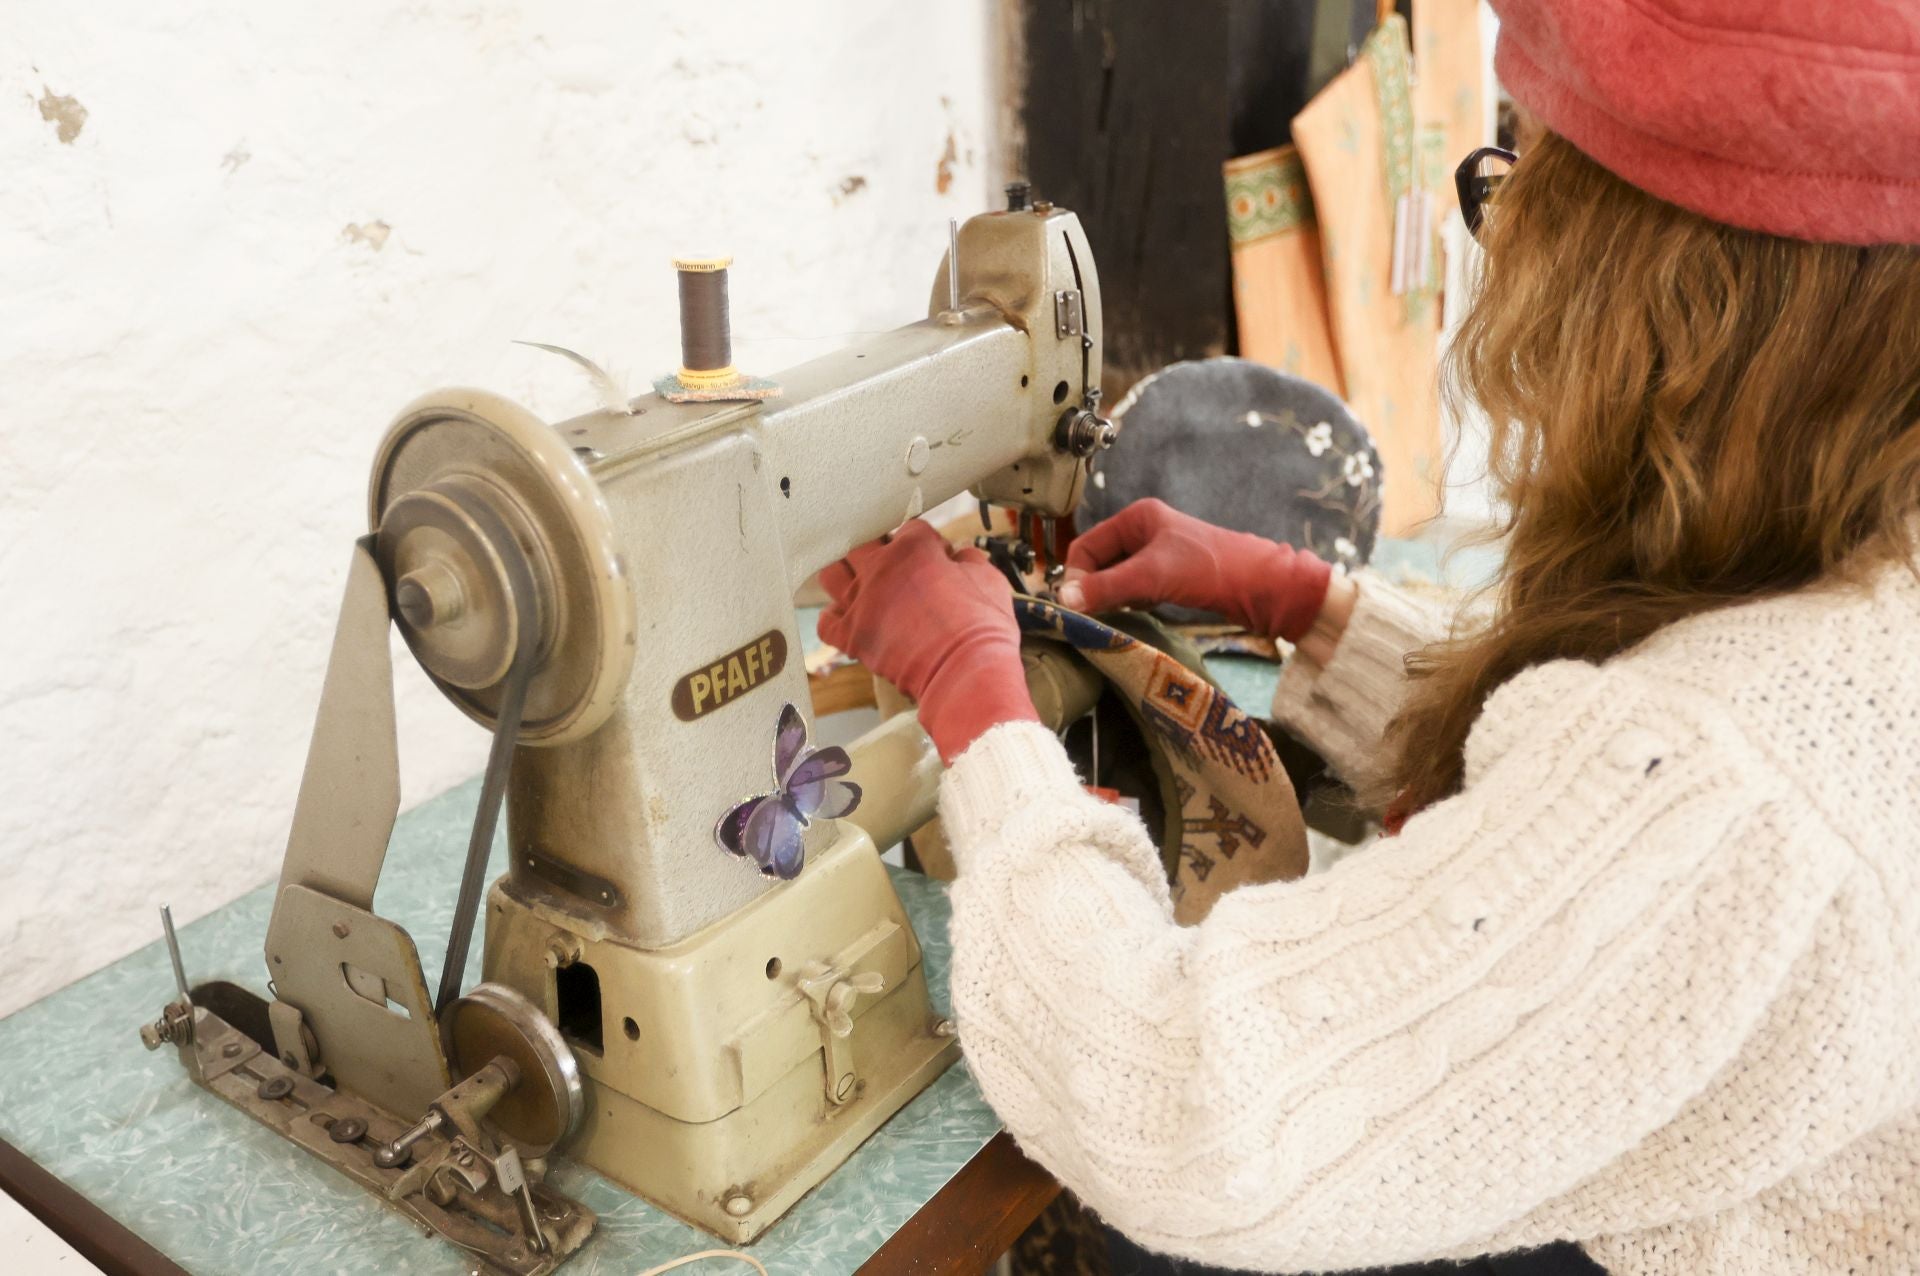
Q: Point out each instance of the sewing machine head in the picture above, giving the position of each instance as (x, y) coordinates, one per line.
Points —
(664, 546)
(612, 598)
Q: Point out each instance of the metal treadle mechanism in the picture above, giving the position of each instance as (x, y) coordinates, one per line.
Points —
(698, 978)
(470, 1169)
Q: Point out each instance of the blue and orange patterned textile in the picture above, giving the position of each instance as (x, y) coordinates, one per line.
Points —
(1239, 820)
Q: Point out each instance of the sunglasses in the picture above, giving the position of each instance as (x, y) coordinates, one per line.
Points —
(1476, 179)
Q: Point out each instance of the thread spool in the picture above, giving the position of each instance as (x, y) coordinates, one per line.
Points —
(706, 337)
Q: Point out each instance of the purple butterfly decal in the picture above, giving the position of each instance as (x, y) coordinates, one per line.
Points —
(770, 829)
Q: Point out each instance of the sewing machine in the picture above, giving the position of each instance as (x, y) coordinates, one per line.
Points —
(611, 597)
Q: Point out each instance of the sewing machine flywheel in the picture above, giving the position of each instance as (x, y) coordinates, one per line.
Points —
(546, 1106)
(466, 486)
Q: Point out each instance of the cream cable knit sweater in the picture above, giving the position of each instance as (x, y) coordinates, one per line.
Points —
(1649, 982)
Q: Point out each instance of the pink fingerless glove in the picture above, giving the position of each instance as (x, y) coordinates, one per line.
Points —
(936, 623)
(1150, 553)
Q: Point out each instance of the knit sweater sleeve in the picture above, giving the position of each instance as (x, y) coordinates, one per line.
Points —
(1413, 1054)
(1343, 709)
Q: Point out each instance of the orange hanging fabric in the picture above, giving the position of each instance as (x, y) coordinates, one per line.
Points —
(1279, 285)
(1336, 248)
(1446, 86)
(1376, 178)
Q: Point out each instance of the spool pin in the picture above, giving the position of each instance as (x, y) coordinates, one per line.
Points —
(707, 372)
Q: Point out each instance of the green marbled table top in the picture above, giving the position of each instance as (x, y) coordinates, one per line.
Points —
(218, 1193)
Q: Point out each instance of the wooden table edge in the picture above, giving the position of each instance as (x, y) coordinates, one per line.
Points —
(961, 1230)
(93, 1233)
(972, 1220)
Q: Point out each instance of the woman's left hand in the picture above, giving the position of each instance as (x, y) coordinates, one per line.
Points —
(936, 623)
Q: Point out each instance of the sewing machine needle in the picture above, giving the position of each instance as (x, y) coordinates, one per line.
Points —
(1093, 764)
(953, 264)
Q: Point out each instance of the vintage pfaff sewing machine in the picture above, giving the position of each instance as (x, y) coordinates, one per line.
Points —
(707, 998)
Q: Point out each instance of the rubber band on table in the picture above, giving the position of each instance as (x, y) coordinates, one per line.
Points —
(682, 1261)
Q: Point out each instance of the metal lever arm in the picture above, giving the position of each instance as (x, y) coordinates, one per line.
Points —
(350, 791)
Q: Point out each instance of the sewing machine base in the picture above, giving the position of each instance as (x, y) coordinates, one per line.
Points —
(233, 1066)
(747, 1154)
(716, 1086)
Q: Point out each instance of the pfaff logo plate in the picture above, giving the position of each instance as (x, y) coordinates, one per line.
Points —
(731, 676)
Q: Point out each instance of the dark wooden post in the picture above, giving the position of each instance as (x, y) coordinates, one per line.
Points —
(1127, 121)
(1129, 108)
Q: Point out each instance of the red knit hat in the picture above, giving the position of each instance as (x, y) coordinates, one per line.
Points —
(1795, 117)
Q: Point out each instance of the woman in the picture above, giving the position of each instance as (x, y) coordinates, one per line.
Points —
(1639, 971)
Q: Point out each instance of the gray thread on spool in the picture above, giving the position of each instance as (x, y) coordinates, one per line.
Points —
(706, 343)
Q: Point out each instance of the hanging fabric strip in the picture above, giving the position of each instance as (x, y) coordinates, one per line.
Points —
(1267, 195)
(1361, 146)
(1412, 271)
(1279, 285)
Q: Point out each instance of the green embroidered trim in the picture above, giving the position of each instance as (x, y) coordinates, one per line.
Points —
(1269, 199)
(1390, 54)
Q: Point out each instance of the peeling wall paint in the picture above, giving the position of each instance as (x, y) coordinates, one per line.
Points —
(373, 234)
(66, 115)
(239, 239)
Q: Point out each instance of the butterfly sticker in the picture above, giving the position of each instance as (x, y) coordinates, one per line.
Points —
(770, 829)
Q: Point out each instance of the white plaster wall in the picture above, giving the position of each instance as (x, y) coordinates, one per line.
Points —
(275, 225)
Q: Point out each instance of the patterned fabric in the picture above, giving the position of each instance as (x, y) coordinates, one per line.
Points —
(1066, 1240)
(1267, 195)
(1239, 820)
(1246, 447)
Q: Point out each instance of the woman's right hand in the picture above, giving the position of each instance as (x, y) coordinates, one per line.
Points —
(1151, 553)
